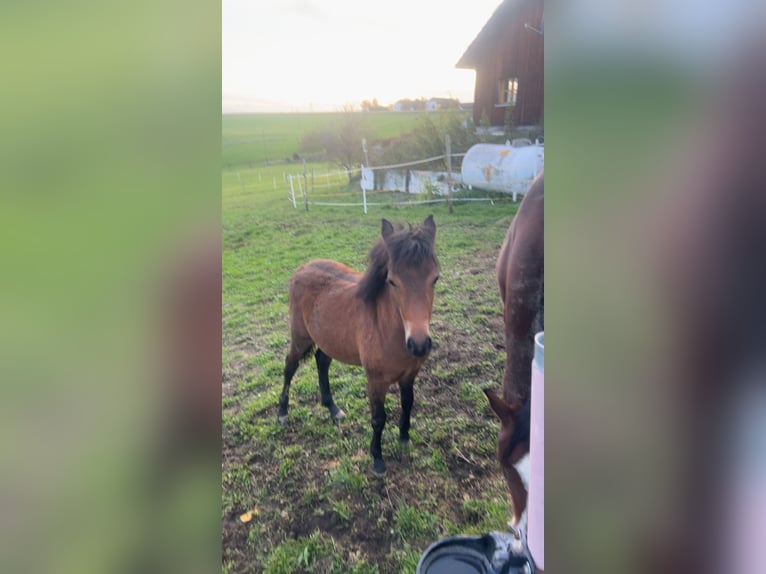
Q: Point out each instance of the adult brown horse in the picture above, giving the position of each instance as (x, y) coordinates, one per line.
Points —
(520, 276)
(378, 320)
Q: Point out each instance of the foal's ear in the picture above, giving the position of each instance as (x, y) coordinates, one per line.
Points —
(386, 229)
(503, 410)
(430, 226)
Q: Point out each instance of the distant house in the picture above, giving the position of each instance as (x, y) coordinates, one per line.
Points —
(431, 105)
(436, 104)
(404, 106)
(507, 55)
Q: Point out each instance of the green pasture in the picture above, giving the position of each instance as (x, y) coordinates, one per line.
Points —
(258, 138)
(314, 504)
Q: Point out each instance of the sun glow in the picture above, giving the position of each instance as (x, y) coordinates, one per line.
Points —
(319, 56)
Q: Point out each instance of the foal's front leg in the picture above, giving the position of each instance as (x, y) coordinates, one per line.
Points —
(407, 393)
(376, 391)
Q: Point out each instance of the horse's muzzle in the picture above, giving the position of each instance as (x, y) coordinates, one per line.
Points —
(419, 349)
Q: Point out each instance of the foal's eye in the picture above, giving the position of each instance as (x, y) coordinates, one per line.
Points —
(435, 280)
(391, 282)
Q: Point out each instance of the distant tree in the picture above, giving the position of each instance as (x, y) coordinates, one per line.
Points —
(372, 106)
(347, 151)
(404, 105)
(452, 104)
(341, 143)
(427, 139)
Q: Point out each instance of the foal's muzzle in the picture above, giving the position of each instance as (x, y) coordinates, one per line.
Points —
(420, 349)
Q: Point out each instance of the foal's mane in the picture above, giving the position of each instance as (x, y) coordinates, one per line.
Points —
(410, 247)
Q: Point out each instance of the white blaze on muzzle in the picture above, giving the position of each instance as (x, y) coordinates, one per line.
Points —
(408, 330)
(522, 467)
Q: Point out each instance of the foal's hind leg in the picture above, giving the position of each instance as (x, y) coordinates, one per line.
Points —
(297, 351)
(323, 367)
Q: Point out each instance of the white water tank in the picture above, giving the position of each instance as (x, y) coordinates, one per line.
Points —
(505, 168)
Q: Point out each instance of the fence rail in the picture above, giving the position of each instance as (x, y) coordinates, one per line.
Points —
(304, 185)
(402, 203)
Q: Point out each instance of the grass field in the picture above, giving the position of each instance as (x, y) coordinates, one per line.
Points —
(251, 139)
(306, 492)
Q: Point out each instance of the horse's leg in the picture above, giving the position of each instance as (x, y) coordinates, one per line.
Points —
(521, 309)
(406, 388)
(376, 391)
(291, 365)
(323, 366)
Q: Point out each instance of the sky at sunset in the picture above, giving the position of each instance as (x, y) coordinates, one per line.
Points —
(305, 55)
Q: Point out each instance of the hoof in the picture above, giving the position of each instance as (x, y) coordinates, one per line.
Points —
(338, 415)
(378, 467)
(282, 420)
(404, 440)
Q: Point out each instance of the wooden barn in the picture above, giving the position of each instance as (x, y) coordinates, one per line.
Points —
(507, 55)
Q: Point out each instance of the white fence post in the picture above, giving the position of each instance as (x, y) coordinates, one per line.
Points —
(449, 171)
(292, 189)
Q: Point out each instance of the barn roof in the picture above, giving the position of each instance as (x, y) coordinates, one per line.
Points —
(490, 34)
